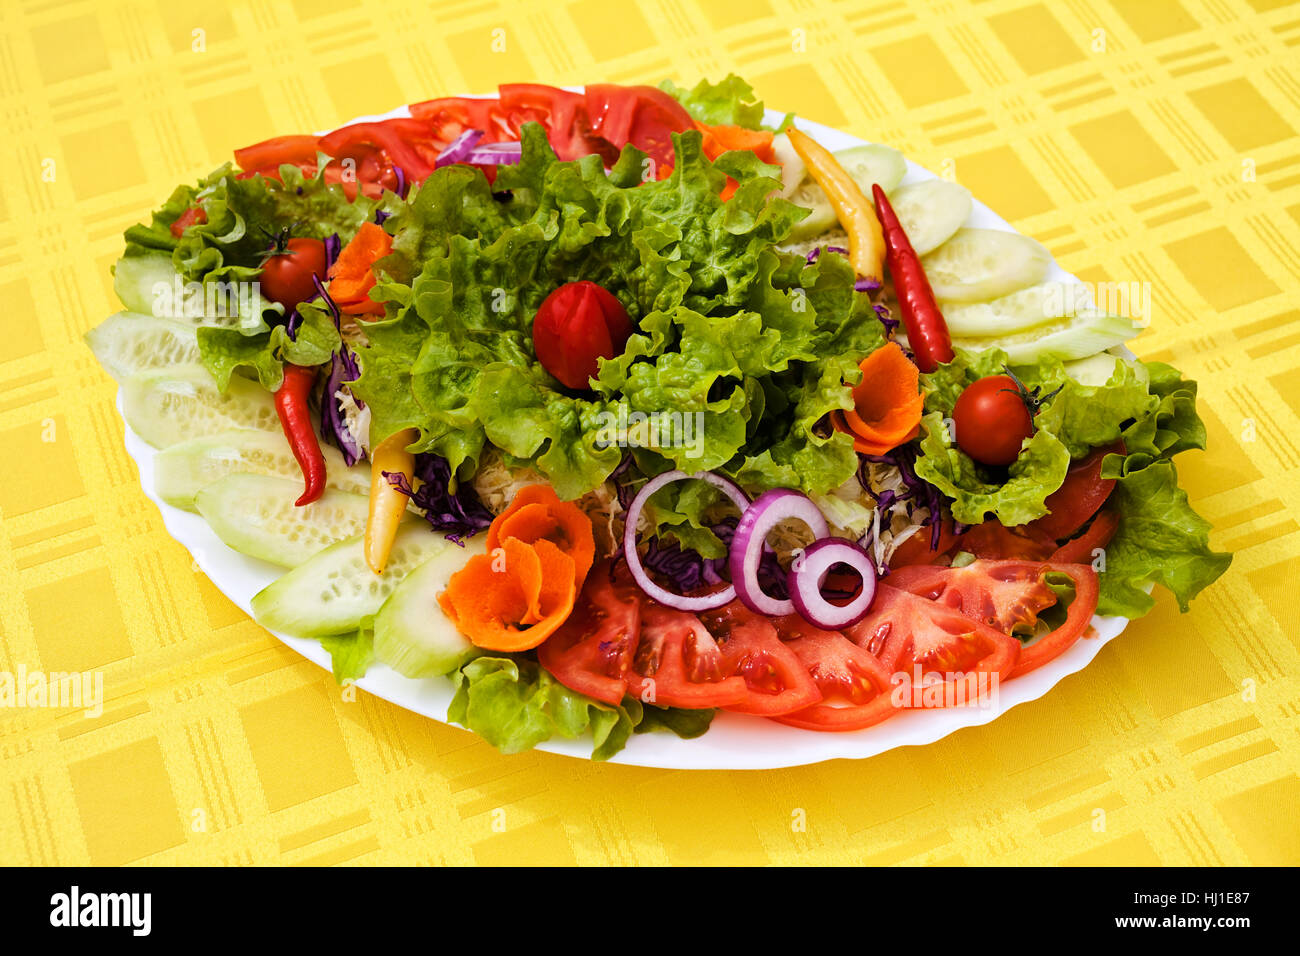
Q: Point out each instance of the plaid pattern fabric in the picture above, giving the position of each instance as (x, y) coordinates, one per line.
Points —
(1140, 140)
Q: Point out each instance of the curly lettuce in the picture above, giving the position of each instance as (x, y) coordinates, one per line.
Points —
(755, 346)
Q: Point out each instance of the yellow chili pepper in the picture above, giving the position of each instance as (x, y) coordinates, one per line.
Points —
(387, 504)
(855, 211)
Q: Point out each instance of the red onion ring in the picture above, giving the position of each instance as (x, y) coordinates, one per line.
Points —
(768, 510)
(810, 571)
(668, 598)
(458, 148)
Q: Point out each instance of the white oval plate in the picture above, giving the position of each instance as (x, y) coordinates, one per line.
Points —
(735, 741)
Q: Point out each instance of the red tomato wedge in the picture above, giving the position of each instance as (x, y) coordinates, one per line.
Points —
(1051, 645)
(854, 684)
(917, 550)
(776, 680)
(643, 116)
(1081, 550)
(996, 542)
(272, 153)
(1081, 495)
(955, 657)
(1007, 595)
(593, 649)
(678, 663)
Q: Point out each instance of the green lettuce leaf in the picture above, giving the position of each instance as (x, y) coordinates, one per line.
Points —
(225, 351)
(976, 491)
(351, 654)
(514, 704)
(730, 334)
(729, 102)
(1160, 538)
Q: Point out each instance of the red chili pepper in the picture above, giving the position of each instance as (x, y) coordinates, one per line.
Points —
(295, 419)
(927, 332)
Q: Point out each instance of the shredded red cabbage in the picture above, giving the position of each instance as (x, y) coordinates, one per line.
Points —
(686, 570)
(918, 491)
(816, 253)
(343, 368)
(867, 285)
(460, 514)
(333, 246)
(886, 319)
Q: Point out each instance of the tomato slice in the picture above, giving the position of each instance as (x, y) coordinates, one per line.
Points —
(995, 541)
(450, 116)
(677, 663)
(1081, 495)
(1098, 534)
(398, 139)
(644, 116)
(1006, 595)
(271, 153)
(1051, 645)
(777, 682)
(854, 684)
(917, 550)
(192, 215)
(592, 651)
(955, 657)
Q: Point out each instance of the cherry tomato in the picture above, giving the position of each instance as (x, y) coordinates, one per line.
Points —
(286, 276)
(992, 420)
(577, 325)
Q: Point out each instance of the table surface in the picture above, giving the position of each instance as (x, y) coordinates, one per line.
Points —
(1146, 141)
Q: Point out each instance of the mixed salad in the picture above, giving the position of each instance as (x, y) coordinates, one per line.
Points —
(618, 407)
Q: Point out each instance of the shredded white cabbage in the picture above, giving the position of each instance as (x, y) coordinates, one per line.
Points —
(355, 419)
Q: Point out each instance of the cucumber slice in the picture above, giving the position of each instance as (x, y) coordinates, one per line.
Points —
(135, 278)
(873, 164)
(822, 217)
(169, 405)
(1017, 312)
(931, 212)
(334, 590)
(1097, 369)
(412, 635)
(1069, 338)
(977, 265)
(129, 342)
(179, 472)
(793, 169)
(256, 515)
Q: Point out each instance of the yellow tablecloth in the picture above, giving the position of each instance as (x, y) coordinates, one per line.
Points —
(1147, 140)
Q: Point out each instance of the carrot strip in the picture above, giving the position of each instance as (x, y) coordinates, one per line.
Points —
(512, 598)
(887, 404)
(537, 513)
(352, 275)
